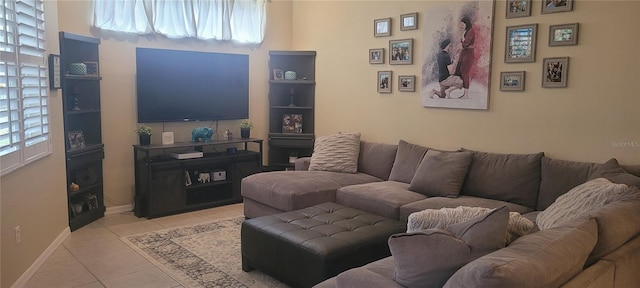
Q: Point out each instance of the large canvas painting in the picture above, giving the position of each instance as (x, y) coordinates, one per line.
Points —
(457, 55)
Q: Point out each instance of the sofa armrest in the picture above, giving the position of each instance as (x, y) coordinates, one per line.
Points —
(302, 164)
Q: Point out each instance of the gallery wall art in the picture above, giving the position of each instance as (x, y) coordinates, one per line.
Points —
(457, 55)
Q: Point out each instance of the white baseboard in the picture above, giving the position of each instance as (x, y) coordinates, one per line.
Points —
(119, 209)
(41, 259)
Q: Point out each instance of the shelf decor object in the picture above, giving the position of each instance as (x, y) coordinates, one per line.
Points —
(520, 44)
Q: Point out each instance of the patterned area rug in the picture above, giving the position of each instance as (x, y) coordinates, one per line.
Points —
(201, 255)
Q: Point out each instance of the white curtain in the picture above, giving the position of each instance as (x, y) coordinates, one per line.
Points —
(236, 20)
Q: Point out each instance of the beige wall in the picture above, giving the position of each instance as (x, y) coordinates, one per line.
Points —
(599, 111)
(601, 106)
(34, 197)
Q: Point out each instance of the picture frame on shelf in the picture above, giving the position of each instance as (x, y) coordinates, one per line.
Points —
(407, 83)
(555, 72)
(409, 21)
(92, 68)
(54, 72)
(512, 81)
(555, 6)
(384, 82)
(292, 123)
(76, 139)
(278, 74)
(518, 8)
(401, 51)
(520, 43)
(382, 27)
(376, 56)
(563, 35)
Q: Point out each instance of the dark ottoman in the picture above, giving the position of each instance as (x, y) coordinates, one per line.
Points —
(304, 247)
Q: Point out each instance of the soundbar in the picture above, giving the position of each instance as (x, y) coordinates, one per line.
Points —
(188, 155)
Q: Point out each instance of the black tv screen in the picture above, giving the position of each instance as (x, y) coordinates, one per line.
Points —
(175, 85)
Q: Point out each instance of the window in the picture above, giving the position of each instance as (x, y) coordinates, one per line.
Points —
(234, 20)
(24, 103)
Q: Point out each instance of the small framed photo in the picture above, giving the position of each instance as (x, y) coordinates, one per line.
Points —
(92, 68)
(278, 74)
(555, 72)
(563, 35)
(384, 81)
(382, 27)
(406, 83)
(520, 44)
(512, 81)
(401, 51)
(554, 6)
(54, 71)
(518, 8)
(376, 56)
(409, 21)
(76, 139)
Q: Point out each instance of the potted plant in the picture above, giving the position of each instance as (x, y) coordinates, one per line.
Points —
(245, 128)
(144, 133)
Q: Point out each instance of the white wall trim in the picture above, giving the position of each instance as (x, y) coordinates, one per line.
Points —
(119, 209)
(22, 281)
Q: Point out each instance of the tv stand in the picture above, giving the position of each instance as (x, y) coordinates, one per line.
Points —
(165, 185)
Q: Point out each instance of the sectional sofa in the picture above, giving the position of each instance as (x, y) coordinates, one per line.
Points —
(396, 181)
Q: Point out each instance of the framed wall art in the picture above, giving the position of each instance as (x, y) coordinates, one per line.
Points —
(278, 74)
(457, 55)
(563, 35)
(520, 44)
(518, 8)
(406, 83)
(401, 51)
(376, 56)
(555, 72)
(382, 27)
(512, 81)
(409, 21)
(92, 68)
(384, 81)
(554, 6)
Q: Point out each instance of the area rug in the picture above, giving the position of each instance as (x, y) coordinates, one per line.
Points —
(201, 255)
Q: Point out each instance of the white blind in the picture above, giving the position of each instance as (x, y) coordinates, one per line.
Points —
(24, 103)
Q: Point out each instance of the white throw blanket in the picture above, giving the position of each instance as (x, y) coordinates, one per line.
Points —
(442, 218)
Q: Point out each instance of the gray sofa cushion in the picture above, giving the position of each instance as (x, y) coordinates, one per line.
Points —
(428, 258)
(381, 198)
(560, 176)
(508, 177)
(532, 260)
(407, 160)
(441, 173)
(615, 173)
(376, 159)
(336, 153)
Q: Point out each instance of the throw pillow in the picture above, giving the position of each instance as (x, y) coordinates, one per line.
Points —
(441, 173)
(441, 218)
(546, 258)
(428, 258)
(336, 153)
(581, 200)
(406, 163)
(560, 176)
(376, 159)
(513, 178)
(615, 173)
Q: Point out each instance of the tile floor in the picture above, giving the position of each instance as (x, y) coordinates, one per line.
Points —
(94, 257)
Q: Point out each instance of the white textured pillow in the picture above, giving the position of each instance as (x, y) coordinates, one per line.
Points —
(445, 217)
(336, 153)
(581, 200)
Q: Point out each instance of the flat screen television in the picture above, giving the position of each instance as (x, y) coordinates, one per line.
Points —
(176, 85)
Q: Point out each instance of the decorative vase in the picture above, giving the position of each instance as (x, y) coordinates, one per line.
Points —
(145, 139)
(245, 133)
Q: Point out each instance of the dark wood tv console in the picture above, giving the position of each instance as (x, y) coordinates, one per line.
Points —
(165, 185)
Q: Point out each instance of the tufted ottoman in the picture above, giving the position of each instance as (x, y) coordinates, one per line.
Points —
(306, 246)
